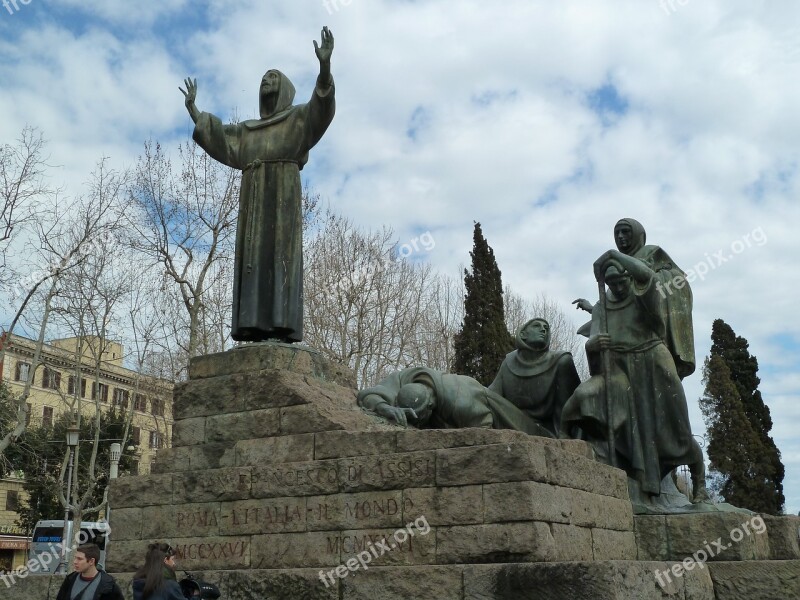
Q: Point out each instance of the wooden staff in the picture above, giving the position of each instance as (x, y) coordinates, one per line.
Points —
(612, 447)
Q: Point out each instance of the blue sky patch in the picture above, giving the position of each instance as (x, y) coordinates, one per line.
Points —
(420, 119)
(607, 103)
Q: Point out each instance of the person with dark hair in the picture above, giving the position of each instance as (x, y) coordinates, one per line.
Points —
(156, 580)
(88, 582)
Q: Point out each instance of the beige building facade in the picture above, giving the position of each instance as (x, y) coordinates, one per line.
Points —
(14, 542)
(65, 380)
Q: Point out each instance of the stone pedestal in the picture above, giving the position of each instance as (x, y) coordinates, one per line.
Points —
(277, 486)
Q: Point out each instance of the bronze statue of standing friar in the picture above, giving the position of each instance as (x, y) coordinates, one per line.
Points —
(270, 151)
(633, 408)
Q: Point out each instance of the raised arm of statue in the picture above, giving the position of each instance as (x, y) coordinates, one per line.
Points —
(190, 95)
(323, 53)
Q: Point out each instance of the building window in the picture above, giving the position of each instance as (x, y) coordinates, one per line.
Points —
(71, 386)
(51, 379)
(103, 392)
(158, 407)
(12, 500)
(155, 440)
(47, 416)
(139, 403)
(121, 397)
(136, 436)
(21, 371)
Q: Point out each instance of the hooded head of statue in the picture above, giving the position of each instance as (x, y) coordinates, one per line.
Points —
(534, 335)
(630, 236)
(618, 280)
(276, 93)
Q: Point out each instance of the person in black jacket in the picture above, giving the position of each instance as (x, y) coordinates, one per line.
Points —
(87, 582)
(156, 579)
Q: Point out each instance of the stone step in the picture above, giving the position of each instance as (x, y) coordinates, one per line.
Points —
(498, 522)
(600, 580)
(249, 358)
(392, 539)
(261, 394)
(721, 536)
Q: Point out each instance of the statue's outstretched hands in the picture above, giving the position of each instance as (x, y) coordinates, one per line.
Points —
(191, 91)
(324, 50)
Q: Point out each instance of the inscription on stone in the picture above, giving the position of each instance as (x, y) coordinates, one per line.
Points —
(200, 518)
(371, 508)
(338, 511)
(352, 544)
(308, 476)
(391, 470)
(214, 550)
(274, 515)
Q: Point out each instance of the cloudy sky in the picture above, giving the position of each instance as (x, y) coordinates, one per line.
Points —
(545, 121)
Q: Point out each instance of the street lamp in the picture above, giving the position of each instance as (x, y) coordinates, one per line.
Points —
(113, 473)
(73, 437)
(116, 454)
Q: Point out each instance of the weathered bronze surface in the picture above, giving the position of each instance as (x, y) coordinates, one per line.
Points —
(537, 380)
(271, 151)
(427, 398)
(634, 398)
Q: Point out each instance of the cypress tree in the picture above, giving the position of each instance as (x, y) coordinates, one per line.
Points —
(743, 368)
(483, 341)
(735, 451)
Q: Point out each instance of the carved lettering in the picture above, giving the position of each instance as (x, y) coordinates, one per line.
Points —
(320, 513)
(363, 510)
(205, 518)
(419, 468)
(276, 515)
(310, 476)
(354, 473)
(381, 542)
(215, 550)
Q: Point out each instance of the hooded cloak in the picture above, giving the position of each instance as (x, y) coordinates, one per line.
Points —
(642, 391)
(460, 402)
(679, 336)
(540, 386)
(271, 151)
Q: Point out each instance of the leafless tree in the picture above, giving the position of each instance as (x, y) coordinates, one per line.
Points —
(64, 235)
(23, 190)
(363, 303)
(185, 223)
(86, 305)
(441, 320)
